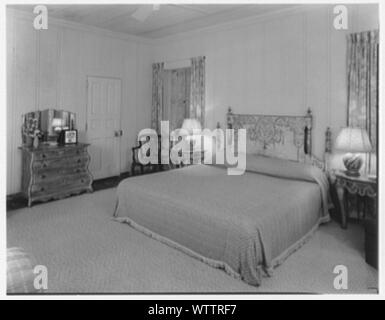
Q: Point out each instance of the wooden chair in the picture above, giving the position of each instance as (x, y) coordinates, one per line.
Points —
(137, 164)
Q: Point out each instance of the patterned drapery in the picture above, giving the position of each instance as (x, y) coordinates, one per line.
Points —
(363, 82)
(157, 95)
(197, 93)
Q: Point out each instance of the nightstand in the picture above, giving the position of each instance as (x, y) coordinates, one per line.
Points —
(193, 157)
(359, 186)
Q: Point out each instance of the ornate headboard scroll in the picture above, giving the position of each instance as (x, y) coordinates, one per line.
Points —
(288, 137)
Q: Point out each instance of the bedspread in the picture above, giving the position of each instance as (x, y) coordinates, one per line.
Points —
(245, 225)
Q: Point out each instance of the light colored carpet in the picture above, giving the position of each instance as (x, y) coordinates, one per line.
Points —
(85, 251)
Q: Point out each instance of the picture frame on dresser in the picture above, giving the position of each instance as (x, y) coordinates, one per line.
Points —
(68, 137)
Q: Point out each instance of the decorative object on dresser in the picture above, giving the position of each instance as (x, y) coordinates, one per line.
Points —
(68, 137)
(353, 141)
(46, 125)
(53, 122)
(55, 172)
(362, 187)
(30, 127)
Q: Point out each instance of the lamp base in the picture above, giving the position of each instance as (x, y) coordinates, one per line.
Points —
(352, 173)
(353, 164)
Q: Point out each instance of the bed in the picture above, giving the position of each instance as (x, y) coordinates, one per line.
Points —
(246, 224)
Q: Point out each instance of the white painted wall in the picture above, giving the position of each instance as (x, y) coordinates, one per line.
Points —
(277, 64)
(49, 68)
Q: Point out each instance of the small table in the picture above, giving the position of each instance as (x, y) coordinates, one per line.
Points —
(360, 186)
(194, 157)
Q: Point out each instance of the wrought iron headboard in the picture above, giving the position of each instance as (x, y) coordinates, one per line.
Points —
(288, 137)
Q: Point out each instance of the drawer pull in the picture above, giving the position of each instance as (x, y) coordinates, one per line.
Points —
(43, 156)
(44, 165)
(42, 189)
(79, 160)
(43, 176)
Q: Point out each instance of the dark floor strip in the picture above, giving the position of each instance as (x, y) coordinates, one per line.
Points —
(18, 201)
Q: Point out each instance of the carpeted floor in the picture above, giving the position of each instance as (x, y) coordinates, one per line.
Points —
(85, 251)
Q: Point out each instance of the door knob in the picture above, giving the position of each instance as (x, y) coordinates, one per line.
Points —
(118, 133)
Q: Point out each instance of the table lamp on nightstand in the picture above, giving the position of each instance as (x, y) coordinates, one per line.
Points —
(353, 141)
(194, 129)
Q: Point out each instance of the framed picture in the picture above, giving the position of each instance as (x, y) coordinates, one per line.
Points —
(68, 137)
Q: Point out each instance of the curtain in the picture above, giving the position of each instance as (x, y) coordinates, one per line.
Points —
(176, 96)
(363, 82)
(197, 93)
(157, 95)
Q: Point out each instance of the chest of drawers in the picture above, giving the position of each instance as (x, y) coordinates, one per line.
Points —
(55, 172)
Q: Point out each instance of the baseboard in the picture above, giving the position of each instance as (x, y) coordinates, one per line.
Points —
(17, 200)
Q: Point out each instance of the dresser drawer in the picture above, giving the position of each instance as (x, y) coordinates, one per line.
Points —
(49, 174)
(59, 183)
(55, 172)
(81, 160)
(59, 153)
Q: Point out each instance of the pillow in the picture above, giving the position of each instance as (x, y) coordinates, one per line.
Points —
(288, 169)
(282, 168)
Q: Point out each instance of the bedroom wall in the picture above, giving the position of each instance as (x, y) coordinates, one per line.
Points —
(49, 68)
(277, 64)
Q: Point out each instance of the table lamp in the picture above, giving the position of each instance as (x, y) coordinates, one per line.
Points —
(194, 129)
(57, 124)
(353, 141)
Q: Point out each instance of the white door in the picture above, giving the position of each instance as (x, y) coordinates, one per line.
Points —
(103, 126)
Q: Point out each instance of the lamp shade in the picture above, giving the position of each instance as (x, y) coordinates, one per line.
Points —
(192, 125)
(57, 122)
(353, 140)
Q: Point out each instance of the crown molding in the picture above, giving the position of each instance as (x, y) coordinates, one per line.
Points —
(20, 14)
(237, 24)
(226, 26)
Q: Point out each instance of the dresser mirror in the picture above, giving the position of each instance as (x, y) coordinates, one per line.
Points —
(47, 124)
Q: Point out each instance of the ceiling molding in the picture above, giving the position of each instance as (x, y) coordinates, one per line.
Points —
(237, 24)
(220, 27)
(21, 14)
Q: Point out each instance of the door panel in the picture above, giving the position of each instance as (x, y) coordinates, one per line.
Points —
(103, 122)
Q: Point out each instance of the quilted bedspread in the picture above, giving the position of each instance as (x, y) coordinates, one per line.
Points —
(245, 225)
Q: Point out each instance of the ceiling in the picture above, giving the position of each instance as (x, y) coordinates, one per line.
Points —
(168, 20)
